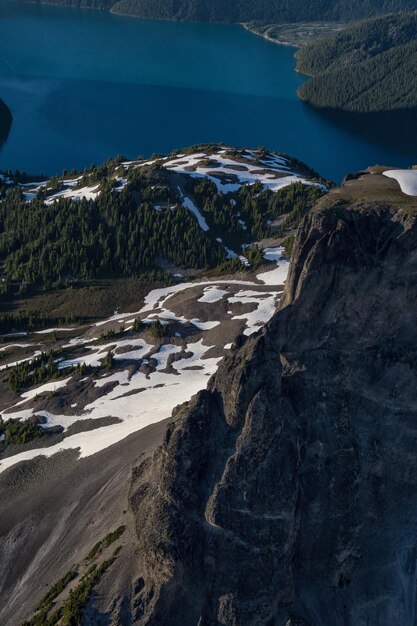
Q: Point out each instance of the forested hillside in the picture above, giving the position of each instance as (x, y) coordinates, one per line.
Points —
(82, 4)
(132, 220)
(114, 235)
(5, 121)
(385, 82)
(357, 43)
(246, 10)
(367, 73)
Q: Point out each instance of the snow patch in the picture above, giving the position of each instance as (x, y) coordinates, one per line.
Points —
(407, 179)
(212, 294)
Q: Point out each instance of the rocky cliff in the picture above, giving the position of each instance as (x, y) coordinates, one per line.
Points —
(285, 494)
(5, 121)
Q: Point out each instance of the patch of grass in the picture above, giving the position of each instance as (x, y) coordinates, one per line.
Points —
(46, 604)
(71, 611)
(56, 589)
(106, 542)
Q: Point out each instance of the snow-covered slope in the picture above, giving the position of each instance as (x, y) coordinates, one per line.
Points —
(227, 167)
(149, 376)
(407, 179)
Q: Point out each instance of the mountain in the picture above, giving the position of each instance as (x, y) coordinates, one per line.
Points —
(246, 10)
(90, 368)
(261, 10)
(358, 43)
(365, 74)
(193, 210)
(5, 121)
(284, 493)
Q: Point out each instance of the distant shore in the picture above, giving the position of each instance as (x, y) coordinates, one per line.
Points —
(296, 35)
(265, 35)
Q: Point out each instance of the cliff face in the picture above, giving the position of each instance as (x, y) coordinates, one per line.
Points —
(5, 121)
(286, 493)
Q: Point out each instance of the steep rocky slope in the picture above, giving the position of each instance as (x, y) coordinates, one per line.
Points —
(286, 492)
(5, 121)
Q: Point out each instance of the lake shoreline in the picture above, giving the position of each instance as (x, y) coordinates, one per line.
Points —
(207, 83)
(251, 29)
(293, 35)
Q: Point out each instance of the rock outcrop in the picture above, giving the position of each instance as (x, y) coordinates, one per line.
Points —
(5, 121)
(286, 493)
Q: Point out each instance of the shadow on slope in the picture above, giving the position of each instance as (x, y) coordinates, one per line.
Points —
(6, 120)
(395, 130)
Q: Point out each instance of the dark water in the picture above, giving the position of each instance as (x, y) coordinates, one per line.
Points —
(87, 85)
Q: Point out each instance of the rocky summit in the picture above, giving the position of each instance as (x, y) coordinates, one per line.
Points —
(285, 494)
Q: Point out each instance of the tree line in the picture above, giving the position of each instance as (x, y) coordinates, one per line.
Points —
(261, 10)
(116, 235)
(368, 67)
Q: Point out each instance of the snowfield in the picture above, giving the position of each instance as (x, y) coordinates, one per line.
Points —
(272, 171)
(149, 376)
(227, 171)
(407, 179)
(278, 275)
(182, 365)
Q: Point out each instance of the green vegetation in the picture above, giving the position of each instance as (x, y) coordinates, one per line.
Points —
(116, 235)
(18, 432)
(56, 589)
(365, 75)
(249, 214)
(138, 325)
(41, 369)
(106, 542)
(157, 329)
(384, 82)
(132, 231)
(108, 361)
(70, 611)
(82, 4)
(357, 43)
(259, 10)
(297, 34)
(31, 320)
(253, 255)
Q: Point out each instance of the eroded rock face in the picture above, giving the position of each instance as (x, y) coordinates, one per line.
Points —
(287, 492)
(5, 121)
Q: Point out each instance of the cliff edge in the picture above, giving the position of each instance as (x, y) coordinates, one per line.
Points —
(6, 120)
(285, 494)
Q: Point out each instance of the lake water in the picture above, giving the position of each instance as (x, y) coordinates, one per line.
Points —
(84, 86)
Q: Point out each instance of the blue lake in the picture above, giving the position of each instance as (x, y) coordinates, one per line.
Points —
(84, 86)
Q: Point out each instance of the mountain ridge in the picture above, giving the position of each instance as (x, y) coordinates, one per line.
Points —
(364, 78)
(238, 11)
(290, 459)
